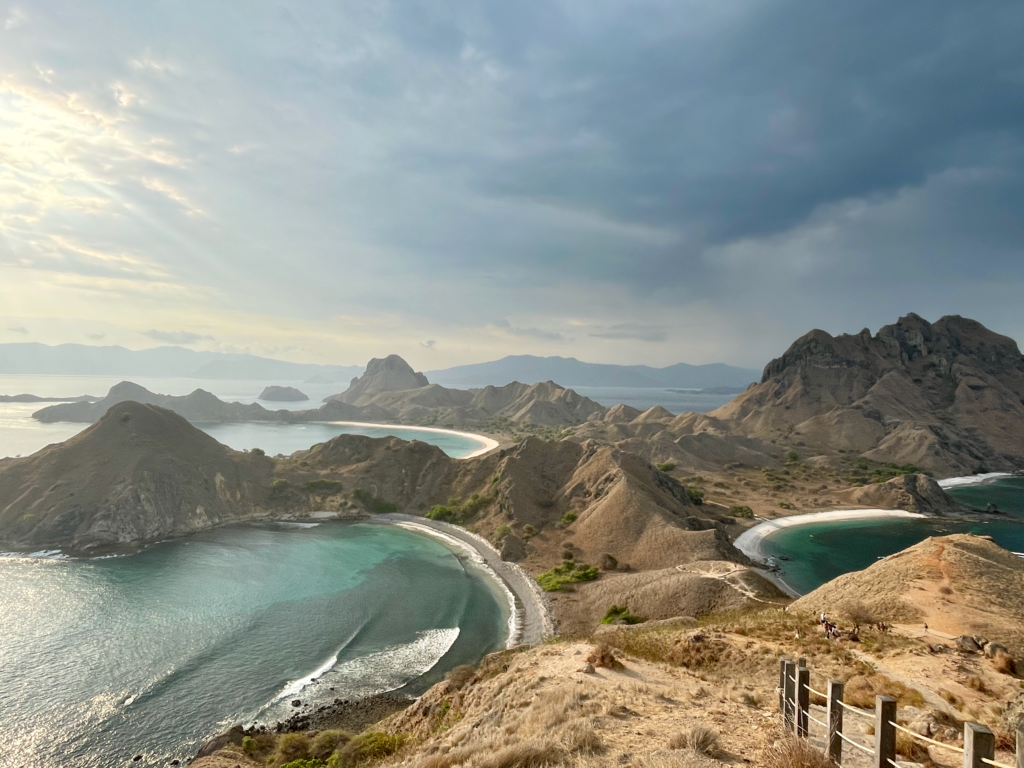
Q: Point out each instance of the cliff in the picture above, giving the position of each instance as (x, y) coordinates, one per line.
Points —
(947, 397)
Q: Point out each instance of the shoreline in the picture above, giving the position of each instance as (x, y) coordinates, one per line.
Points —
(751, 540)
(487, 444)
(530, 619)
(965, 480)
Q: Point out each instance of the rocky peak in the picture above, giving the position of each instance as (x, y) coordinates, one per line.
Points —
(389, 374)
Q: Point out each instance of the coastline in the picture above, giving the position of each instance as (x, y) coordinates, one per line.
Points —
(960, 482)
(487, 444)
(750, 541)
(530, 620)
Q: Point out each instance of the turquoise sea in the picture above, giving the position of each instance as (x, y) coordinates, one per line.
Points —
(152, 653)
(819, 552)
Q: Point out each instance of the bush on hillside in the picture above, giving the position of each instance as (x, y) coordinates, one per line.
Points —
(569, 572)
(444, 514)
(620, 614)
(741, 511)
(696, 494)
(372, 503)
(700, 739)
(322, 487)
(666, 466)
(371, 745)
(501, 532)
(568, 518)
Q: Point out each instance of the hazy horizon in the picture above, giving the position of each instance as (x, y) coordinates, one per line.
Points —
(624, 184)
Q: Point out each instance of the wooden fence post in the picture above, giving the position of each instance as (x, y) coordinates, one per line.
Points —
(1020, 745)
(979, 743)
(790, 693)
(803, 700)
(834, 744)
(782, 687)
(885, 733)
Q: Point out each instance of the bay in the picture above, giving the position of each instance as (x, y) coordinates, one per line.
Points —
(152, 653)
(819, 552)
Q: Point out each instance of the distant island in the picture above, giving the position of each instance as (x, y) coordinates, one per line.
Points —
(23, 398)
(283, 395)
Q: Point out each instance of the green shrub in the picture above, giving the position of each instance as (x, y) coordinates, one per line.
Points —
(323, 487)
(249, 743)
(620, 613)
(372, 745)
(529, 531)
(302, 763)
(568, 518)
(292, 747)
(371, 502)
(738, 510)
(569, 572)
(666, 466)
(792, 457)
(696, 494)
(444, 514)
(326, 743)
(501, 532)
(279, 487)
(258, 452)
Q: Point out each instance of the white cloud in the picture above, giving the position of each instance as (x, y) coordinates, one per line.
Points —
(176, 337)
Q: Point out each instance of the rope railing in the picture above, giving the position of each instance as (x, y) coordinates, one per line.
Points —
(853, 743)
(813, 719)
(993, 763)
(979, 743)
(919, 737)
(857, 710)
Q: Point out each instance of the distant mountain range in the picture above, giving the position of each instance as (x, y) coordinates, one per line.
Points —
(160, 362)
(570, 372)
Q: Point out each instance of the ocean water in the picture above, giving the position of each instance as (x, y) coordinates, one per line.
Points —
(819, 552)
(642, 398)
(153, 653)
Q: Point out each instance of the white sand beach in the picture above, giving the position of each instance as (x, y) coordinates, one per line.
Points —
(486, 444)
(531, 618)
(959, 482)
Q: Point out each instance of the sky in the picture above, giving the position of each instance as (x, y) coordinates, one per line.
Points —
(653, 181)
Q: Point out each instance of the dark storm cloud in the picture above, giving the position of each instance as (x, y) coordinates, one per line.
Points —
(601, 172)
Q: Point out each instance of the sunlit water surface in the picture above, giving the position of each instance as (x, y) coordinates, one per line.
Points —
(152, 653)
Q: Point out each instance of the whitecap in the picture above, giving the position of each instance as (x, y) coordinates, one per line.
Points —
(958, 482)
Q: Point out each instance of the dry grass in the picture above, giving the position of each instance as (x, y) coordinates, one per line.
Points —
(912, 749)
(1004, 663)
(791, 752)
(861, 690)
(291, 746)
(460, 675)
(325, 743)
(700, 739)
(603, 656)
(674, 759)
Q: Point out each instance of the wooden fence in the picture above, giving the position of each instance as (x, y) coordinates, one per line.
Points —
(795, 692)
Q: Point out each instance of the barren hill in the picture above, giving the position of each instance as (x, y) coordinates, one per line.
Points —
(946, 396)
(390, 374)
(143, 473)
(957, 585)
(139, 474)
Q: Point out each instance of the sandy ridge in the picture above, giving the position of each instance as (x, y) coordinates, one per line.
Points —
(532, 619)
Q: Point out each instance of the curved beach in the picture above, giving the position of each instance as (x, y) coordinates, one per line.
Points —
(530, 618)
(486, 443)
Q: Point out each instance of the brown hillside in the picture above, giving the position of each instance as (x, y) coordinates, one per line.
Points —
(957, 585)
(139, 474)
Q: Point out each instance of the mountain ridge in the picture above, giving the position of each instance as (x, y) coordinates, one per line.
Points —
(571, 372)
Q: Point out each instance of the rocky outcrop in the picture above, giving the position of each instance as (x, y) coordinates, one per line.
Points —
(390, 374)
(283, 395)
(946, 396)
(913, 493)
